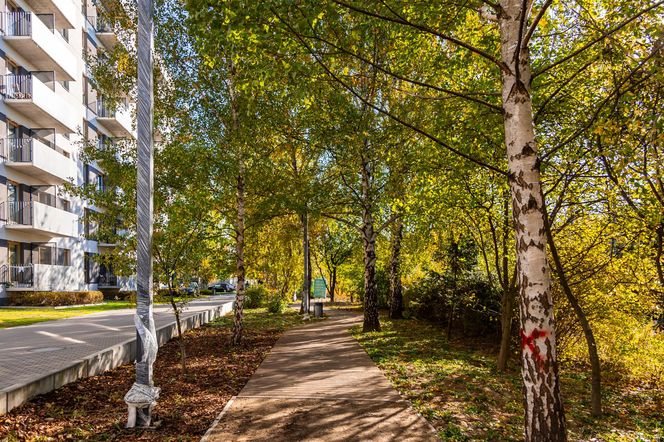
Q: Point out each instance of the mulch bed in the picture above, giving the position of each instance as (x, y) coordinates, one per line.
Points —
(93, 409)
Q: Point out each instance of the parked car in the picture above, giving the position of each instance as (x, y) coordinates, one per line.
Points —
(222, 287)
(192, 289)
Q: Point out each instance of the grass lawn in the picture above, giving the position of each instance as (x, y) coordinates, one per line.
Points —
(10, 317)
(93, 409)
(456, 387)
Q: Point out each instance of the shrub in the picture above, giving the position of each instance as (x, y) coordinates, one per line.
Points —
(206, 292)
(472, 299)
(255, 296)
(276, 303)
(48, 298)
(160, 296)
(126, 295)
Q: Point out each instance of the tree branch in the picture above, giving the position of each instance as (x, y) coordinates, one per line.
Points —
(424, 28)
(598, 39)
(383, 111)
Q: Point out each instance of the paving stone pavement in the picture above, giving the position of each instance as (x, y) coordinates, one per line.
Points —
(33, 351)
(318, 384)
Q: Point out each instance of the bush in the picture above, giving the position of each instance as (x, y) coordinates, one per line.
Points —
(160, 296)
(255, 296)
(205, 292)
(54, 298)
(472, 298)
(276, 303)
(126, 295)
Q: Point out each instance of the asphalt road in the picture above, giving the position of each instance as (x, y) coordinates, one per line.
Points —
(32, 351)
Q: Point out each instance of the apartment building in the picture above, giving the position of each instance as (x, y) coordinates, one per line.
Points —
(47, 108)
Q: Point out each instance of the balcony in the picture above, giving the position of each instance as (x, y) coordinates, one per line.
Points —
(46, 49)
(117, 122)
(40, 218)
(104, 31)
(64, 11)
(18, 277)
(39, 277)
(107, 280)
(36, 158)
(34, 96)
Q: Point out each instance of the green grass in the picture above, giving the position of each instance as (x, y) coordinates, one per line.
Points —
(261, 319)
(10, 317)
(456, 387)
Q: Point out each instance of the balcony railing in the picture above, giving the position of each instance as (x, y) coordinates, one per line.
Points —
(54, 201)
(21, 150)
(17, 276)
(21, 212)
(20, 86)
(103, 110)
(99, 24)
(108, 280)
(17, 212)
(18, 150)
(18, 24)
(17, 87)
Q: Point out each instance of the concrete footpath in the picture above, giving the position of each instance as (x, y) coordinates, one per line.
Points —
(318, 384)
(39, 358)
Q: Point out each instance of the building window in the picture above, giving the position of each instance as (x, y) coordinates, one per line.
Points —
(91, 269)
(95, 178)
(49, 254)
(101, 183)
(63, 257)
(45, 255)
(91, 225)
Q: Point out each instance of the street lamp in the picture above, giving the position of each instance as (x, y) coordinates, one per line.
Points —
(143, 395)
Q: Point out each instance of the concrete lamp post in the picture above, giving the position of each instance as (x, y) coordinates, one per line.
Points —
(143, 395)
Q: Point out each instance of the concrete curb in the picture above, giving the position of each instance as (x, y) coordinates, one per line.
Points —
(227, 407)
(102, 361)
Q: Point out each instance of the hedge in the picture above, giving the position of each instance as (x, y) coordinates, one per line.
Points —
(48, 298)
(159, 296)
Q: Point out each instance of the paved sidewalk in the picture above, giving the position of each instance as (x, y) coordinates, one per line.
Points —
(318, 384)
(30, 353)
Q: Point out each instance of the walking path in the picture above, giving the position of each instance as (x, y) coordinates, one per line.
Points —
(38, 358)
(318, 384)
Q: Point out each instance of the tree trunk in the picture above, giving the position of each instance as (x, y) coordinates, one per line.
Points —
(306, 281)
(371, 320)
(544, 414)
(396, 288)
(506, 305)
(239, 246)
(659, 253)
(333, 283)
(178, 323)
(507, 299)
(595, 367)
(450, 319)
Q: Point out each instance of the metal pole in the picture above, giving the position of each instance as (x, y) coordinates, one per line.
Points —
(143, 395)
(305, 287)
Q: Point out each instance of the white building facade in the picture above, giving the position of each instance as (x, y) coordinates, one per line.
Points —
(47, 108)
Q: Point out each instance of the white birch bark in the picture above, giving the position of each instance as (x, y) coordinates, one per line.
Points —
(544, 415)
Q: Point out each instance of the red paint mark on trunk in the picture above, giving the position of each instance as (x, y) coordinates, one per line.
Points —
(528, 341)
